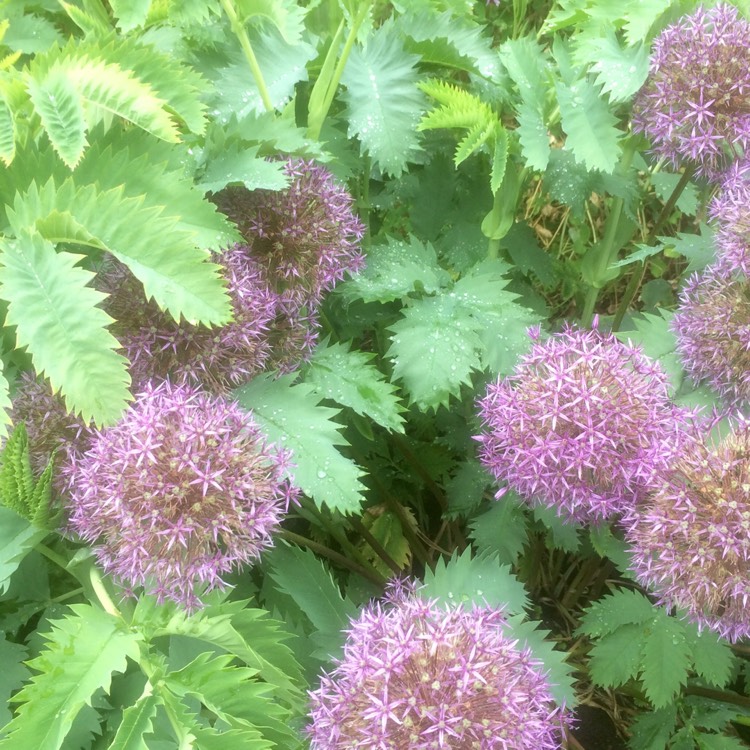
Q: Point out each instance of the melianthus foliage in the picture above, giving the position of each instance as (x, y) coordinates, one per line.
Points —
(117, 119)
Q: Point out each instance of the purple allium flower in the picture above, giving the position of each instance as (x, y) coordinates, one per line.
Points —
(730, 209)
(578, 426)
(218, 358)
(694, 104)
(306, 236)
(712, 325)
(691, 541)
(182, 490)
(52, 430)
(421, 676)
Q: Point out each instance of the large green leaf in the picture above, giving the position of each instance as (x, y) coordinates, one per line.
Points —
(502, 530)
(173, 269)
(60, 108)
(383, 102)
(589, 125)
(666, 660)
(17, 538)
(349, 378)
(475, 581)
(7, 132)
(136, 723)
(103, 88)
(304, 577)
(5, 405)
(287, 16)
(292, 417)
(82, 652)
(130, 14)
(395, 269)
(13, 674)
(436, 346)
(56, 316)
(235, 695)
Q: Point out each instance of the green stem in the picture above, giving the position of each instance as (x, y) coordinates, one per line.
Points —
(101, 593)
(345, 562)
(317, 118)
(637, 277)
(54, 557)
(607, 252)
(239, 31)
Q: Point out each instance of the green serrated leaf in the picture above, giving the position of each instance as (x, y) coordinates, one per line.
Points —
(5, 406)
(653, 333)
(712, 656)
(105, 89)
(700, 250)
(616, 657)
(499, 158)
(237, 165)
(308, 582)
(286, 15)
(465, 490)
(524, 250)
(382, 100)
(589, 126)
(348, 377)
(59, 105)
(664, 185)
(719, 742)
(235, 695)
(7, 132)
(81, 653)
(396, 269)
(502, 530)
(472, 142)
(666, 659)
(130, 14)
(13, 674)
(621, 71)
(533, 137)
(651, 730)
(562, 534)
(475, 581)
(292, 417)
(436, 346)
(137, 722)
(48, 298)
(558, 671)
(524, 60)
(568, 182)
(167, 261)
(29, 33)
(623, 607)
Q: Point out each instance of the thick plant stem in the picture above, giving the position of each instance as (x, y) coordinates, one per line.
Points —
(247, 49)
(637, 277)
(324, 90)
(607, 250)
(101, 593)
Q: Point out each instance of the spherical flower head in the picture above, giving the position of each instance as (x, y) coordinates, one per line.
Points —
(730, 210)
(305, 236)
(694, 104)
(54, 433)
(179, 492)
(712, 326)
(421, 676)
(578, 425)
(218, 358)
(690, 543)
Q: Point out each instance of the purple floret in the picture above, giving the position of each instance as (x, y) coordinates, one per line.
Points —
(730, 210)
(691, 541)
(694, 105)
(580, 426)
(182, 490)
(712, 325)
(422, 676)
